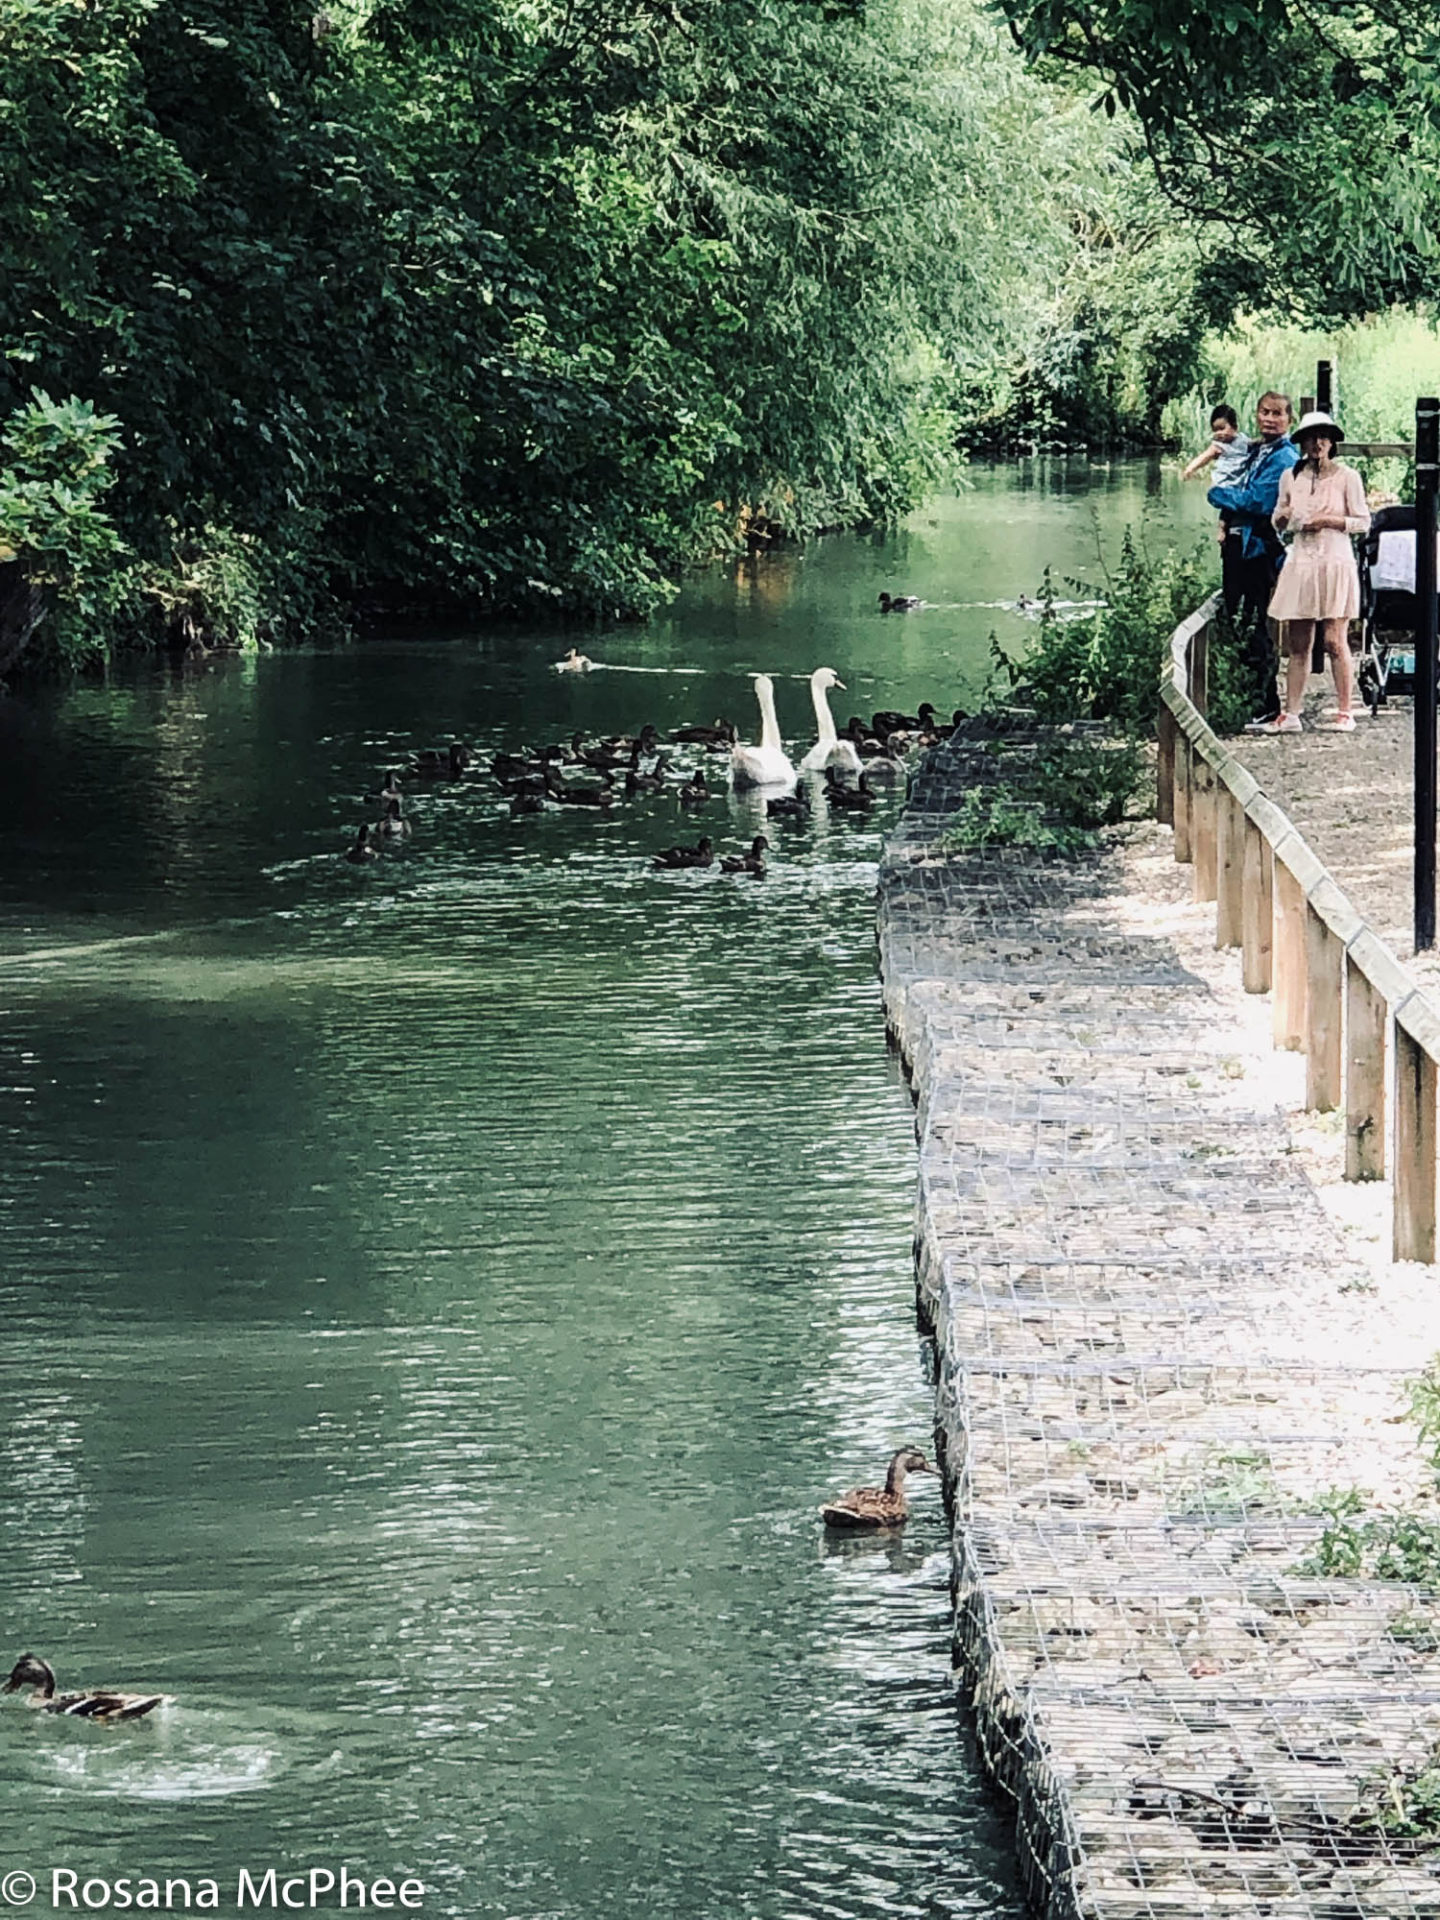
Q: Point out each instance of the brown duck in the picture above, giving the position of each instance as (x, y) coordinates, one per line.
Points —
(95, 1703)
(873, 1508)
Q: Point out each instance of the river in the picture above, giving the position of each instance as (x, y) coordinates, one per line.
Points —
(439, 1293)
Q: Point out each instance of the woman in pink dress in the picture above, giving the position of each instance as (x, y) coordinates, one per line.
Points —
(1322, 503)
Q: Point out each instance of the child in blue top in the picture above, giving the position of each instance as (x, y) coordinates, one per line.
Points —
(1228, 448)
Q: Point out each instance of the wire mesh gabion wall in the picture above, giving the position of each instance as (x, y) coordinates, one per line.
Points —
(1155, 1392)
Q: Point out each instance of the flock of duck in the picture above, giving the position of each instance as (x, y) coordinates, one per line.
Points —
(598, 775)
(860, 1510)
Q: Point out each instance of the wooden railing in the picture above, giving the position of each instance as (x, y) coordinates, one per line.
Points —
(1340, 996)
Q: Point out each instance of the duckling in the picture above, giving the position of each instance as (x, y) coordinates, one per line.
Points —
(700, 855)
(361, 850)
(790, 806)
(856, 799)
(899, 602)
(751, 862)
(574, 662)
(870, 1507)
(392, 824)
(695, 792)
(96, 1703)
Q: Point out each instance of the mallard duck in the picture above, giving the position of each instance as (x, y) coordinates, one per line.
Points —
(695, 792)
(361, 848)
(601, 796)
(874, 1508)
(392, 824)
(95, 1703)
(522, 803)
(789, 806)
(887, 721)
(899, 602)
(751, 862)
(440, 763)
(723, 734)
(700, 855)
(390, 791)
(652, 782)
(855, 799)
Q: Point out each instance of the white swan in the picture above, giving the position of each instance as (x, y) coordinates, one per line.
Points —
(829, 750)
(765, 765)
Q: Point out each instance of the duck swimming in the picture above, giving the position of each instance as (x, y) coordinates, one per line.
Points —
(95, 1703)
(794, 806)
(855, 799)
(440, 763)
(751, 862)
(695, 791)
(874, 1508)
(361, 849)
(899, 602)
(700, 855)
(392, 824)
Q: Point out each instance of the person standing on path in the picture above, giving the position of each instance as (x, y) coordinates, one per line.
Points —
(1248, 504)
(1322, 502)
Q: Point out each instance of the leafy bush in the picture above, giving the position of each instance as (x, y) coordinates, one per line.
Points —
(59, 549)
(1106, 665)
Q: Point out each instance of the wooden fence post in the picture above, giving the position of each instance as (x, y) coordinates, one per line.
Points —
(1229, 869)
(1289, 960)
(1202, 828)
(1323, 1057)
(1200, 669)
(1257, 912)
(1414, 1150)
(1184, 794)
(1166, 731)
(1364, 1076)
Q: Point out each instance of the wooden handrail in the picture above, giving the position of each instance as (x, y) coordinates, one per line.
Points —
(1339, 991)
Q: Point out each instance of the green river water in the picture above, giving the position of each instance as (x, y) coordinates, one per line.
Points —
(438, 1294)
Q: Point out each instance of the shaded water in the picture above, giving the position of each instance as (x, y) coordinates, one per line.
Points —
(440, 1293)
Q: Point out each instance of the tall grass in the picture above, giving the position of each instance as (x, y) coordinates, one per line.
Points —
(1381, 365)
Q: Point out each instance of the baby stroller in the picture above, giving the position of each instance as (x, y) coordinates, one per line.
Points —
(1387, 606)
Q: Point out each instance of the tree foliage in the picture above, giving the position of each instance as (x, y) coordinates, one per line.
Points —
(1307, 136)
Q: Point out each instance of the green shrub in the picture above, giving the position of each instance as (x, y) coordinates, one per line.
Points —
(59, 548)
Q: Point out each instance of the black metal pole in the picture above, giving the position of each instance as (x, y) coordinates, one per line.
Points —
(1427, 473)
(1324, 390)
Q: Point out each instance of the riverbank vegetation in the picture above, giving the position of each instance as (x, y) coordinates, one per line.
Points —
(521, 309)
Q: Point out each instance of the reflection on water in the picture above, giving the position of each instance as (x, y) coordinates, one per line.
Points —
(441, 1294)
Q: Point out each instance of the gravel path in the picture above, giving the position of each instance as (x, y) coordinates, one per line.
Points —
(1157, 1345)
(1352, 797)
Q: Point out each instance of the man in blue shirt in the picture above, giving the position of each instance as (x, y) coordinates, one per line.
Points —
(1247, 506)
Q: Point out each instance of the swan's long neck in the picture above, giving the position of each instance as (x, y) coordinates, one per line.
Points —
(824, 719)
(769, 726)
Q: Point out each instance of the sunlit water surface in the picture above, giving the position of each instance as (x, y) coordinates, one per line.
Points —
(438, 1294)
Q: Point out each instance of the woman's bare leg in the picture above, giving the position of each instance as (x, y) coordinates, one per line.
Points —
(1337, 645)
(1299, 638)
